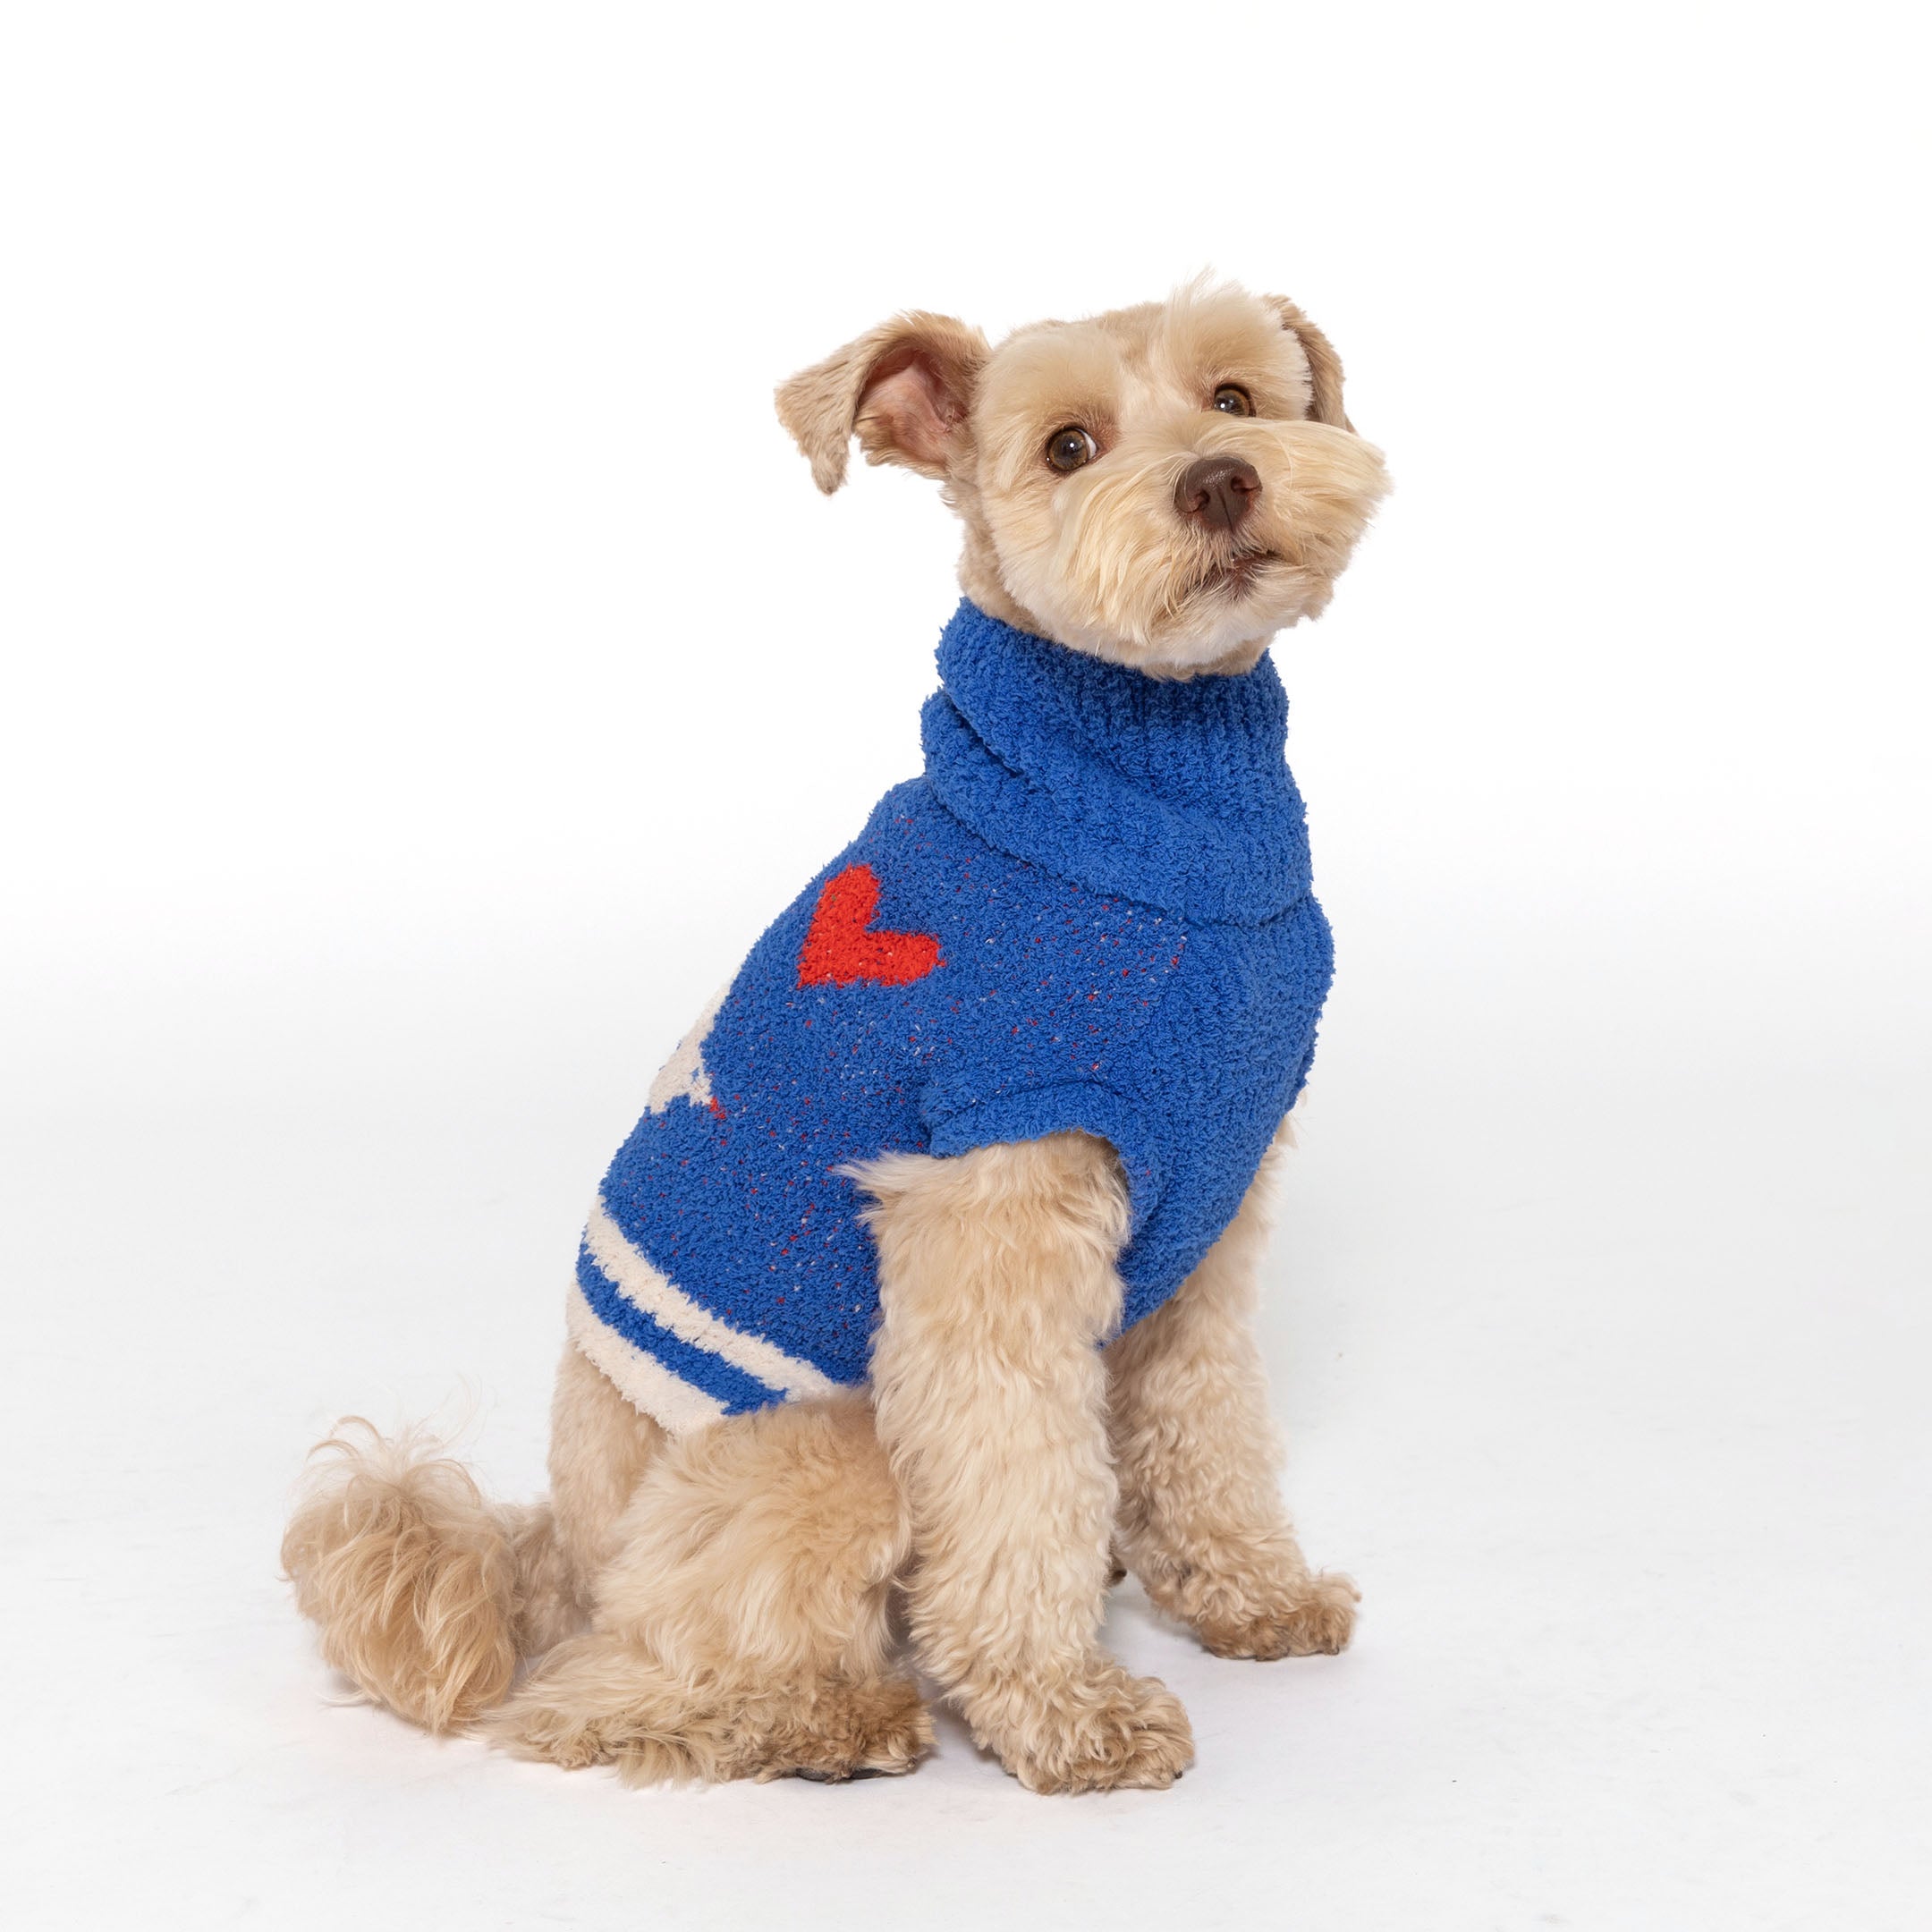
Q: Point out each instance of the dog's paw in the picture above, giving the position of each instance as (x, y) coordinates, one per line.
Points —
(1102, 1731)
(595, 1702)
(845, 1731)
(1314, 1617)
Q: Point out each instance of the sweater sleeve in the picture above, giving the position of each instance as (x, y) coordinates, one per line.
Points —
(1032, 1113)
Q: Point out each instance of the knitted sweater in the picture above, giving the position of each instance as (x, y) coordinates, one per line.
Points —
(1092, 911)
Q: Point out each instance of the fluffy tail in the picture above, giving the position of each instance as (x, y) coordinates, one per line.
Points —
(424, 1594)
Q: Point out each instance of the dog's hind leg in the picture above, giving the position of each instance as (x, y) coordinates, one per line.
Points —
(1201, 1523)
(599, 1448)
(740, 1629)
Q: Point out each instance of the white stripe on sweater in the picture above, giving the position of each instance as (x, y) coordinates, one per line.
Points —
(644, 1287)
(642, 1380)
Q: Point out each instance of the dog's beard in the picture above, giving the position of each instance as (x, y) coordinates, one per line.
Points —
(1244, 575)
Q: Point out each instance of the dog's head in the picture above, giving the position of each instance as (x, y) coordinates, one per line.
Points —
(1165, 487)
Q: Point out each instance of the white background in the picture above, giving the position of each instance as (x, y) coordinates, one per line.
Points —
(428, 667)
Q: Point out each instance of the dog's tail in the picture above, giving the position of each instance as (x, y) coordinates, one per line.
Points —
(425, 1594)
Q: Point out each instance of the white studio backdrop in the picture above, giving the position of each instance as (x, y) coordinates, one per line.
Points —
(427, 666)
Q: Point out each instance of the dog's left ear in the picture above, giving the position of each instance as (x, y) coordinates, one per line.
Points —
(903, 389)
(1325, 366)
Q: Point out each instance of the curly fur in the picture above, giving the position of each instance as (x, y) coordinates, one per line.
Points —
(408, 1573)
(1096, 560)
(720, 1605)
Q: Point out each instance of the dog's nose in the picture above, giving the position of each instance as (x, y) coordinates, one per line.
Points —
(1217, 491)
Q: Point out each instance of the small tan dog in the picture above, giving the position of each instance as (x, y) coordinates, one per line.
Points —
(1163, 488)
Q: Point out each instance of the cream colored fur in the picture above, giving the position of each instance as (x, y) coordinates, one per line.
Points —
(996, 1287)
(738, 1616)
(1097, 560)
(720, 1605)
(1200, 1520)
(409, 1575)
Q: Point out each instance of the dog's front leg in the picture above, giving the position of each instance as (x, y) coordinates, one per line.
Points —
(1201, 1523)
(997, 1282)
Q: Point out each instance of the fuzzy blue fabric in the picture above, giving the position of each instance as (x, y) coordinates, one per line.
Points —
(1092, 911)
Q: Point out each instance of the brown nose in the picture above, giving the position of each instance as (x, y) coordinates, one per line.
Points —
(1217, 491)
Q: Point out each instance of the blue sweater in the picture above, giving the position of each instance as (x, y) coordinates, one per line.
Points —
(1091, 911)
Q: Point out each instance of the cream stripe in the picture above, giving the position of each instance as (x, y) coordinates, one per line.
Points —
(644, 1287)
(643, 1381)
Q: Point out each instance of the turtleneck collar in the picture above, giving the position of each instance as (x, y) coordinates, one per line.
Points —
(1174, 794)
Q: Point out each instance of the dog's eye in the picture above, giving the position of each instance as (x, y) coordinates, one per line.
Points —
(1071, 449)
(1231, 400)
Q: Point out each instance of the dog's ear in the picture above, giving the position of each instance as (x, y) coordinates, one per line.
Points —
(904, 388)
(1325, 366)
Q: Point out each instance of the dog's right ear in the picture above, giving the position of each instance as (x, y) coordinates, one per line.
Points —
(903, 388)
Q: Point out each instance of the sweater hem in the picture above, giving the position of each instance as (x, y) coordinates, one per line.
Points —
(669, 1359)
(645, 1383)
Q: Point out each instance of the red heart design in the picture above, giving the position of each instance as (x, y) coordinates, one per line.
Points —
(839, 949)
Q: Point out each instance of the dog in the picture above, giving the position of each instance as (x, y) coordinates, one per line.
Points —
(918, 1310)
